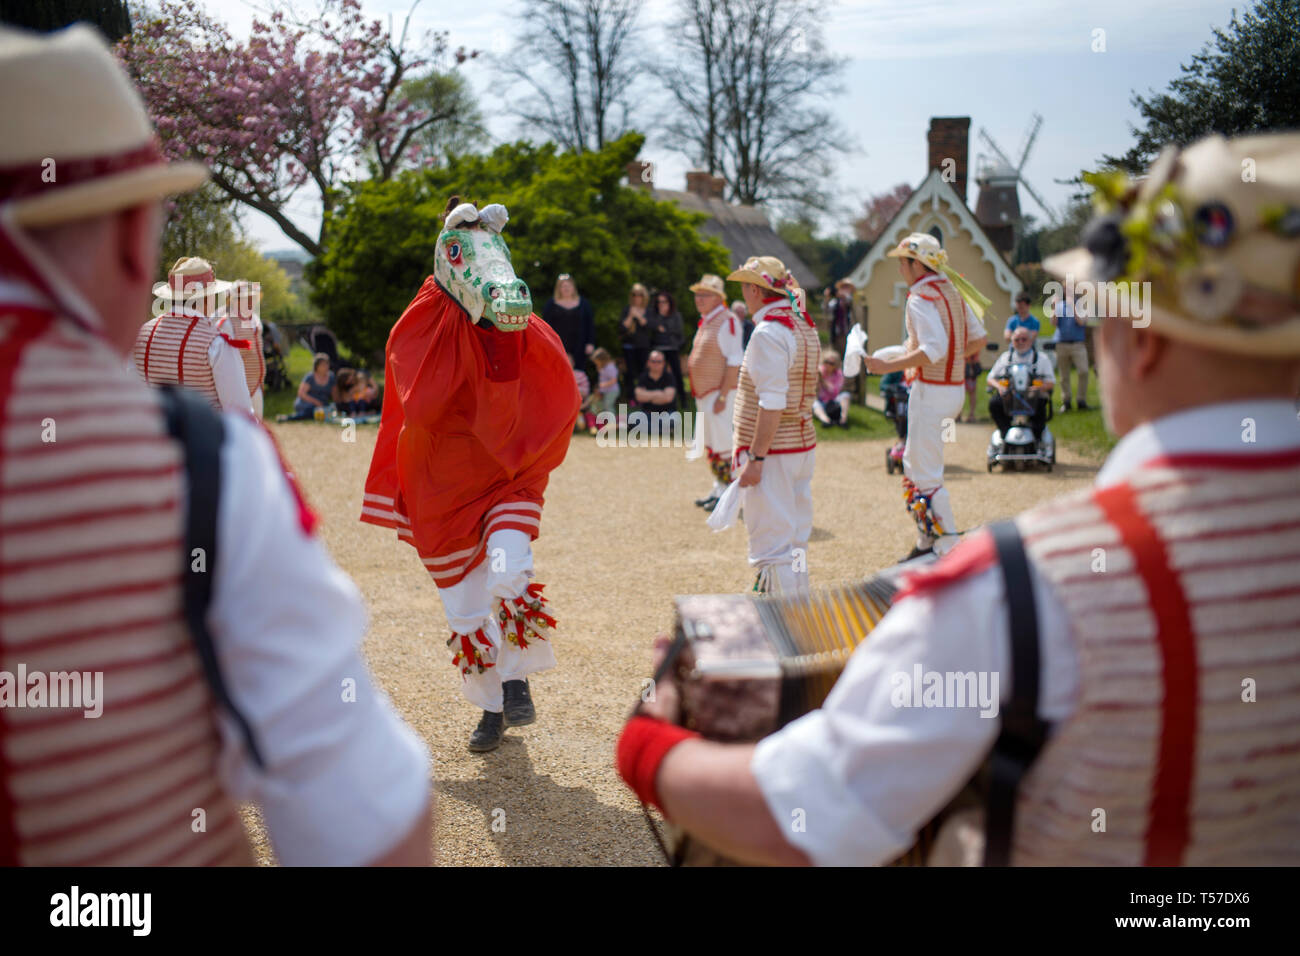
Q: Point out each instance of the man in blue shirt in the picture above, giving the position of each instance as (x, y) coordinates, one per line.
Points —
(1071, 352)
(1022, 318)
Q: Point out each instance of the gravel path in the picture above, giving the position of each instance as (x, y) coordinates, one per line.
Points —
(620, 537)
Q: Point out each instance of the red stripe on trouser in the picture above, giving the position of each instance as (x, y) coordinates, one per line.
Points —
(10, 355)
(1168, 816)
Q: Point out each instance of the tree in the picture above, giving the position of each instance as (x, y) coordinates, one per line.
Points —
(111, 16)
(1245, 80)
(301, 103)
(763, 65)
(699, 34)
(879, 211)
(568, 213)
(579, 58)
(455, 121)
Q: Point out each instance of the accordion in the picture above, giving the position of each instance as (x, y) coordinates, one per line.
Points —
(747, 665)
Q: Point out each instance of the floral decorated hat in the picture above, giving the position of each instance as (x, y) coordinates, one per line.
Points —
(766, 272)
(1214, 228)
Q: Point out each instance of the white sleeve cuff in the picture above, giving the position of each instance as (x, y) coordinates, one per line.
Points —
(772, 401)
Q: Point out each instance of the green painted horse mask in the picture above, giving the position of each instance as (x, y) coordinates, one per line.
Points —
(472, 262)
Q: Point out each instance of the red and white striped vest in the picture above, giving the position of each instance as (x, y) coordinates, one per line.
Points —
(1182, 586)
(172, 349)
(794, 432)
(241, 331)
(91, 552)
(950, 369)
(707, 364)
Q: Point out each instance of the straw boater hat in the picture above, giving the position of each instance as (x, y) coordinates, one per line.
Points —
(77, 141)
(766, 272)
(1214, 228)
(189, 279)
(710, 284)
(922, 247)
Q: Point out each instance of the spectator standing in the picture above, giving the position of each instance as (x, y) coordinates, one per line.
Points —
(747, 324)
(841, 314)
(666, 335)
(573, 319)
(1022, 317)
(634, 332)
(1071, 352)
(336, 785)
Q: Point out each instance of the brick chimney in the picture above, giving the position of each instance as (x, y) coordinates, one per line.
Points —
(705, 185)
(949, 138)
(640, 174)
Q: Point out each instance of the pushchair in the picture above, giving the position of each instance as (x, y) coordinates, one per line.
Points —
(274, 348)
(895, 393)
(321, 340)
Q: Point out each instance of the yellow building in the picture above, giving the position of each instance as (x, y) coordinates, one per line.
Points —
(937, 207)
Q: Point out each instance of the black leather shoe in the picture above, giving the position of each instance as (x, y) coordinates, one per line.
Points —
(487, 735)
(710, 504)
(1065, 407)
(704, 502)
(1084, 407)
(917, 552)
(518, 707)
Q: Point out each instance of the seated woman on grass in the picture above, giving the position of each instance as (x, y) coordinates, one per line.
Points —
(316, 390)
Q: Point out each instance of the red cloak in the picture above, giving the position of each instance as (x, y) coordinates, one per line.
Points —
(474, 421)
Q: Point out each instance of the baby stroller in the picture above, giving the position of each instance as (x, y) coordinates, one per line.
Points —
(273, 351)
(895, 393)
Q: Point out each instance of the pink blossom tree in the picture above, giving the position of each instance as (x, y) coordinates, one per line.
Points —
(305, 102)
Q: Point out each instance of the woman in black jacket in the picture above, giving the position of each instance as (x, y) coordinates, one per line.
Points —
(667, 334)
(634, 332)
(573, 319)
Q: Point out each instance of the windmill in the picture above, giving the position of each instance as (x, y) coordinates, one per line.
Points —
(998, 207)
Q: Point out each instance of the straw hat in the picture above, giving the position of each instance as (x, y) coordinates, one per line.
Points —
(922, 247)
(710, 284)
(766, 272)
(191, 278)
(77, 141)
(1213, 233)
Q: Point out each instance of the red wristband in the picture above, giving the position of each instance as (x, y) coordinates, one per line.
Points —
(642, 747)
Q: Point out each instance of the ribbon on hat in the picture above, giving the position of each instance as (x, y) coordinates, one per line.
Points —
(976, 299)
(790, 288)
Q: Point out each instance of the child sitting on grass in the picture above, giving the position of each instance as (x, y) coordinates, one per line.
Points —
(832, 403)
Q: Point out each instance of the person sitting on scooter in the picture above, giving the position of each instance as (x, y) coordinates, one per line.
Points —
(1038, 396)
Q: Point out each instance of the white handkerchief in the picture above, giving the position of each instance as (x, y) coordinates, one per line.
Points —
(728, 506)
(855, 349)
(890, 352)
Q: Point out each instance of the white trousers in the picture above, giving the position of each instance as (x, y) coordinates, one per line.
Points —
(932, 409)
(257, 404)
(713, 430)
(472, 604)
(778, 517)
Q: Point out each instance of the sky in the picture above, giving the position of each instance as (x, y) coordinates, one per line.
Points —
(1077, 64)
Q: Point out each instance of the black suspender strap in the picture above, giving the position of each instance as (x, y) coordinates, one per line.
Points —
(1022, 734)
(199, 430)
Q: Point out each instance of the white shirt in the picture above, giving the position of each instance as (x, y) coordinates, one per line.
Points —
(866, 774)
(730, 337)
(769, 357)
(1042, 366)
(931, 334)
(344, 781)
(228, 376)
